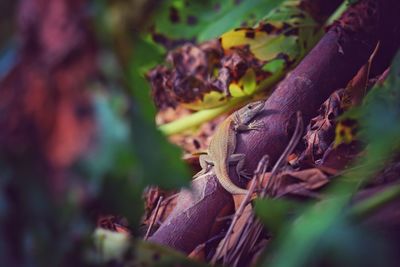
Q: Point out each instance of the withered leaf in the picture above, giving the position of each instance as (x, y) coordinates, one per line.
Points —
(194, 73)
(301, 181)
(321, 130)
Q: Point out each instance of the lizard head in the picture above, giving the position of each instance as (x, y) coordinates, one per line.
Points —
(248, 112)
(255, 107)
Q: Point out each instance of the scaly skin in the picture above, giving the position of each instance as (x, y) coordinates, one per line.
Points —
(223, 145)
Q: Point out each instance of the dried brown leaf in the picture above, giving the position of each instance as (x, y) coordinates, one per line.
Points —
(338, 158)
(151, 197)
(357, 87)
(302, 181)
(193, 71)
(321, 130)
(199, 253)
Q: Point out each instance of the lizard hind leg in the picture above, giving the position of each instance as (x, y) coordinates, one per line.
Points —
(239, 158)
(245, 174)
(206, 164)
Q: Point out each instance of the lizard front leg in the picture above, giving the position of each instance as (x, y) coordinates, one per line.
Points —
(254, 125)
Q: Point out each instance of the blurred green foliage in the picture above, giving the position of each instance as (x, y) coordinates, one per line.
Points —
(325, 232)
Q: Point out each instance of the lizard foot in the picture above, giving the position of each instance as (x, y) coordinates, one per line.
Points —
(246, 175)
(256, 125)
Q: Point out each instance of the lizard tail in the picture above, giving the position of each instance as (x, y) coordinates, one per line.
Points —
(227, 184)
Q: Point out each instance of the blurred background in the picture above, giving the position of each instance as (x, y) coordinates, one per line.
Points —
(72, 136)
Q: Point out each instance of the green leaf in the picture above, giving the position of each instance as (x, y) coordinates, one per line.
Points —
(275, 213)
(145, 55)
(129, 154)
(160, 161)
(348, 244)
(274, 66)
(380, 113)
(237, 14)
(209, 18)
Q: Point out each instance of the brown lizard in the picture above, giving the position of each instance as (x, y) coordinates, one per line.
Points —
(223, 145)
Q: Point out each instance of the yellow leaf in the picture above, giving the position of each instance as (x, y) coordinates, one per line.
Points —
(344, 134)
(249, 82)
(211, 99)
(235, 90)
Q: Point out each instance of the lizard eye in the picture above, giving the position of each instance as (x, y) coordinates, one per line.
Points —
(249, 106)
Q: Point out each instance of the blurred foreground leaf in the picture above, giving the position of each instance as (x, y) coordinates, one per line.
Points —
(151, 254)
(275, 213)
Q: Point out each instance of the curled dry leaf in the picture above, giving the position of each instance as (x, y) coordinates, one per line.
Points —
(188, 76)
(324, 128)
(198, 76)
(301, 182)
(354, 92)
(357, 87)
(151, 197)
(321, 130)
(113, 223)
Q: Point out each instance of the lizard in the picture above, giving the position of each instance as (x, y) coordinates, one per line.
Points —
(223, 144)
